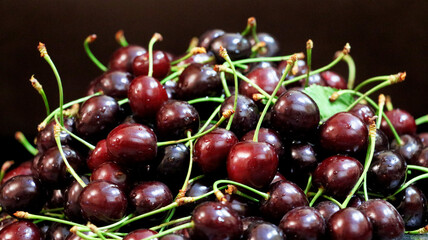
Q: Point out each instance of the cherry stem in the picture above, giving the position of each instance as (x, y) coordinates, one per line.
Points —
(389, 103)
(57, 132)
(178, 220)
(87, 144)
(332, 200)
(216, 189)
(422, 120)
(369, 157)
(250, 24)
(36, 85)
(171, 230)
(371, 80)
(206, 99)
(189, 169)
(308, 184)
(193, 51)
(6, 165)
(52, 210)
(192, 44)
(26, 215)
(168, 218)
(351, 70)
(245, 79)
(421, 230)
(90, 39)
(309, 46)
(223, 53)
(156, 37)
(317, 195)
(267, 59)
(408, 183)
(224, 84)
(172, 76)
(120, 38)
(213, 115)
(419, 168)
(254, 30)
(290, 64)
(380, 110)
(244, 195)
(123, 101)
(44, 54)
(42, 125)
(20, 137)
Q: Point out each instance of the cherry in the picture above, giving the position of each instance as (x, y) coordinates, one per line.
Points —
(57, 199)
(207, 37)
(175, 118)
(99, 155)
(198, 80)
(278, 177)
(356, 201)
(161, 64)
(235, 44)
(334, 80)
(337, 175)
(171, 89)
(327, 209)
(263, 230)
(113, 173)
(6, 220)
(412, 205)
(266, 78)
(284, 196)
(102, 202)
(213, 220)
(268, 136)
(246, 115)
(295, 114)
(123, 58)
(57, 231)
(349, 223)
(211, 150)
(410, 149)
(241, 206)
(303, 157)
(422, 160)
(173, 237)
(21, 230)
(72, 206)
(300, 68)
(46, 137)
(146, 95)
(272, 45)
(303, 223)
(424, 138)
(248, 221)
(148, 196)
(23, 169)
(387, 172)
(198, 188)
(403, 122)
(173, 161)
(97, 116)
(252, 163)
(387, 222)
(22, 193)
(140, 234)
(381, 142)
(363, 112)
(113, 83)
(132, 144)
(344, 133)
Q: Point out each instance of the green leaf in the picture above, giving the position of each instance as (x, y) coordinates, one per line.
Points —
(321, 95)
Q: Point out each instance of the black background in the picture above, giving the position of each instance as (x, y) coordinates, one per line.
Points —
(386, 37)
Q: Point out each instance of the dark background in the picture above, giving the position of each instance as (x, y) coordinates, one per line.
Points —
(386, 37)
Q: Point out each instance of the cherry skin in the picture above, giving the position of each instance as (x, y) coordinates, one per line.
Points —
(57, 231)
(303, 223)
(21, 230)
(334, 80)
(56, 200)
(272, 45)
(412, 205)
(46, 137)
(173, 161)
(236, 46)
(278, 177)
(267, 135)
(72, 207)
(102, 202)
(23, 169)
(381, 142)
(252, 163)
(112, 83)
(337, 175)
(363, 112)
(303, 157)
(113, 173)
(343, 133)
(123, 58)
(6, 221)
(213, 220)
(356, 201)
(146, 95)
(211, 150)
(410, 149)
(263, 230)
(140, 234)
(99, 155)
(422, 160)
(161, 65)
(22, 193)
(284, 196)
(132, 144)
(148, 196)
(198, 80)
(175, 118)
(403, 122)
(265, 78)
(295, 114)
(173, 237)
(327, 209)
(349, 223)
(387, 222)
(424, 138)
(207, 37)
(246, 115)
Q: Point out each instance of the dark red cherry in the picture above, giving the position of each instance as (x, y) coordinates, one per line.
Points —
(56, 200)
(343, 133)
(387, 222)
(113, 173)
(248, 221)
(198, 80)
(278, 177)
(171, 89)
(284, 196)
(412, 205)
(173, 162)
(387, 172)
(302, 158)
(146, 95)
(349, 223)
(303, 223)
(71, 206)
(149, 196)
(22, 193)
(173, 237)
(337, 175)
(299, 68)
(410, 149)
(272, 45)
(363, 112)
(265, 78)
(207, 37)
(268, 136)
(422, 160)
(356, 201)
(252, 163)
(213, 220)
(46, 137)
(334, 80)
(6, 220)
(327, 209)
(21, 230)
(263, 230)
(202, 58)
(240, 205)
(424, 138)
(112, 83)
(140, 234)
(381, 142)
(97, 116)
(99, 155)
(211, 150)
(246, 115)
(123, 58)
(295, 114)
(132, 144)
(403, 122)
(102, 202)
(237, 46)
(161, 65)
(175, 118)
(23, 169)
(57, 231)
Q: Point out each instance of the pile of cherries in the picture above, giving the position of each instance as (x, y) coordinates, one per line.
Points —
(226, 141)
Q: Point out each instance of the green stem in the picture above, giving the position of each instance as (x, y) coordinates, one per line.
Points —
(51, 219)
(123, 101)
(422, 120)
(84, 236)
(90, 146)
(419, 168)
(188, 55)
(155, 38)
(224, 54)
(351, 70)
(159, 235)
(308, 184)
(159, 210)
(244, 195)
(262, 194)
(206, 99)
(52, 210)
(224, 84)
(421, 230)
(380, 111)
(374, 89)
(370, 80)
(178, 220)
(213, 115)
(120, 38)
(309, 46)
(332, 200)
(245, 79)
(408, 183)
(172, 76)
(262, 59)
(91, 56)
(5, 166)
(36, 85)
(20, 137)
(189, 169)
(317, 195)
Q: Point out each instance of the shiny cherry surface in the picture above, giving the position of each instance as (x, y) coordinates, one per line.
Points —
(99, 155)
(272, 45)
(237, 46)
(21, 230)
(263, 230)
(161, 64)
(422, 159)
(72, 206)
(57, 231)
(23, 169)
(207, 37)
(123, 58)
(46, 137)
(140, 234)
(334, 80)
(265, 78)
(173, 161)
(113, 173)
(148, 196)
(410, 149)
(246, 116)
(363, 112)
(412, 205)
(303, 223)
(327, 209)
(112, 83)
(403, 122)
(267, 135)
(198, 80)
(349, 223)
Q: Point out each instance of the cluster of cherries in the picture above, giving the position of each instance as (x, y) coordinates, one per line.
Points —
(227, 141)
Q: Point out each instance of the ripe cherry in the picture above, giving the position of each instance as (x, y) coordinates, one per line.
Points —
(113, 83)
(21, 230)
(207, 37)
(412, 205)
(363, 112)
(410, 149)
(140, 234)
(263, 230)
(161, 64)
(265, 78)
(123, 58)
(272, 45)
(99, 155)
(349, 223)
(267, 135)
(23, 169)
(148, 196)
(403, 122)
(303, 223)
(198, 80)
(112, 173)
(236, 45)
(46, 137)
(334, 80)
(57, 231)
(422, 160)
(71, 207)
(246, 114)
(173, 161)
(327, 209)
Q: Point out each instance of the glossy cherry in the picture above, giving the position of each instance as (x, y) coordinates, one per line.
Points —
(363, 112)
(148, 196)
(412, 205)
(123, 58)
(46, 137)
(113, 173)
(198, 80)
(424, 138)
(267, 135)
(56, 199)
(303, 223)
(410, 149)
(243, 207)
(266, 78)
(99, 155)
(349, 223)
(21, 230)
(161, 64)
(236, 45)
(173, 237)
(57, 231)
(202, 58)
(334, 80)
(327, 209)
(422, 159)
(23, 169)
(263, 230)
(173, 161)
(72, 206)
(207, 37)
(403, 122)
(302, 158)
(246, 115)
(112, 83)
(381, 142)
(272, 45)
(140, 234)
